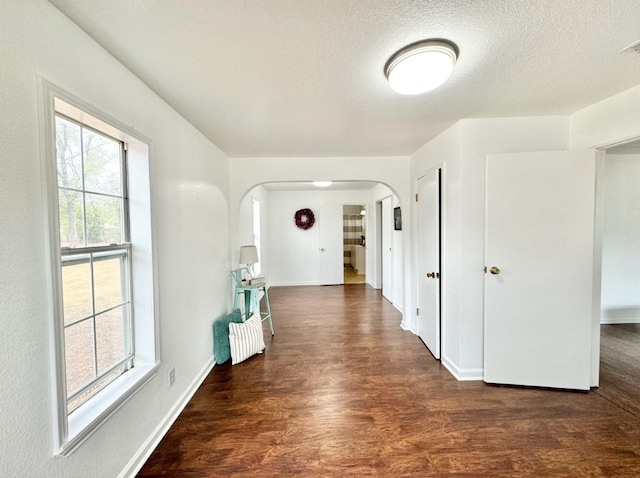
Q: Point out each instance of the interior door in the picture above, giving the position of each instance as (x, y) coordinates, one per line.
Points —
(428, 254)
(539, 258)
(329, 222)
(387, 252)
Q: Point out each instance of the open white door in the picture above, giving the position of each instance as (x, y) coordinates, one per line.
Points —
(428, 253)
(331, 265)
(387, 254)
(539, 258)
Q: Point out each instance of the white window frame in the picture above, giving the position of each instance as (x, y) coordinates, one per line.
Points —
(71, 430)
(255, 227)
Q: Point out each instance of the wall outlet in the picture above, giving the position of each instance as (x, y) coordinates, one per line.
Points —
(172, 376)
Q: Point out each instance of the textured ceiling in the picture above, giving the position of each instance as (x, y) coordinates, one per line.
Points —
(305, 77)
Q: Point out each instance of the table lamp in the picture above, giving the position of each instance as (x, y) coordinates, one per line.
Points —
(249, 256)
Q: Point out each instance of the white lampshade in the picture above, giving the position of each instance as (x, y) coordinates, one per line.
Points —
(248, 255)
(421, 67)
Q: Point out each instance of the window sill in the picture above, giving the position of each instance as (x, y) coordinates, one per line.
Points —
(91, 415)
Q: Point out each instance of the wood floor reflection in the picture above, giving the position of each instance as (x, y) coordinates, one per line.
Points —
(620, 366)
(342, 390)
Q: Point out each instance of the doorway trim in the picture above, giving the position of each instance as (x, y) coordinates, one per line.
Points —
(601, 155)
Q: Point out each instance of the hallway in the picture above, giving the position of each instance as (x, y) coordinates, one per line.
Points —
(351, 277)
(342, 390)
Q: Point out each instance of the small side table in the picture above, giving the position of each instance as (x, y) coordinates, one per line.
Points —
(252, 301)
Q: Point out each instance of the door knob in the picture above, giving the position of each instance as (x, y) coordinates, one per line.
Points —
(494, 270)
(431, 275)
(322, 249)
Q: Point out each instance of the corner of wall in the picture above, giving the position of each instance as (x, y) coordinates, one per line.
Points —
(610, 121)
(460, 374)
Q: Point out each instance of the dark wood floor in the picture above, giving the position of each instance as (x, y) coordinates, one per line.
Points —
(620, 366)
(342, 391)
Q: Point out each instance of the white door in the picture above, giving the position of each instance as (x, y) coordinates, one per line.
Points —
(387, 253)
(329, 222)
(428, 253)
(539, 258)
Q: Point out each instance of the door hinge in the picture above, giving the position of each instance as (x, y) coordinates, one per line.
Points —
(416, 197)
(417, 311)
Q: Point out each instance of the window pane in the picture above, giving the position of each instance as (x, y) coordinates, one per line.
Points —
(102, 173)
(110, 338)
(76, 291)
(71, 218)
(104, 220)
(68, 154)
(109, 283)
(106, 380)
(78, 349)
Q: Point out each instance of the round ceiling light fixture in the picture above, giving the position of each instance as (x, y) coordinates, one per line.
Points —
(421, 66)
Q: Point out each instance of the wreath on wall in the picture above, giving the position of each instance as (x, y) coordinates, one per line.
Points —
(305, 219)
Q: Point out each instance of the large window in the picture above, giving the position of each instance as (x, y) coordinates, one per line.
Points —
(95, 259)
(255, 213)
(103, 295)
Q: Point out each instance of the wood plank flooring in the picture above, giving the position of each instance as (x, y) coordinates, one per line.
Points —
(342, 390)
(350, 277)
(620, 366)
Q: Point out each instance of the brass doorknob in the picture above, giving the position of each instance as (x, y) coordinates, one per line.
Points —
(431, 275)
(494, 270)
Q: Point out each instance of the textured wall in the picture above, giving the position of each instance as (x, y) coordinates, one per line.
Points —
(190, 221)
(293, 253)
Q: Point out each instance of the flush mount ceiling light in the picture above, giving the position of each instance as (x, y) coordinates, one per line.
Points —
(421, 66)
(322, 184)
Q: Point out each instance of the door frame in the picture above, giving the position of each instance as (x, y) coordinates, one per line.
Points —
(442, 259)
(382, 245)
(378, 243)
(364, 221)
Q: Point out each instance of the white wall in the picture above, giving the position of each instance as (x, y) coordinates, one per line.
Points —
(462, 150)
(607, 122)
(378, 193)
(621, 239)
(246, 173)
(443, 150)
(479, 138)
(190, 222)
(293, 253)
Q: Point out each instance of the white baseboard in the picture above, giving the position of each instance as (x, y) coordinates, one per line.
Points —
(150, 444)
(397, 306)
(289, 284)
(462, 375)
(624, 320)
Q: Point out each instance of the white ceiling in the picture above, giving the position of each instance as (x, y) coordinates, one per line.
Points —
(305, 78)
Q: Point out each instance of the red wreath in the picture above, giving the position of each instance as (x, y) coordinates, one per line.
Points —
(305, 219)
